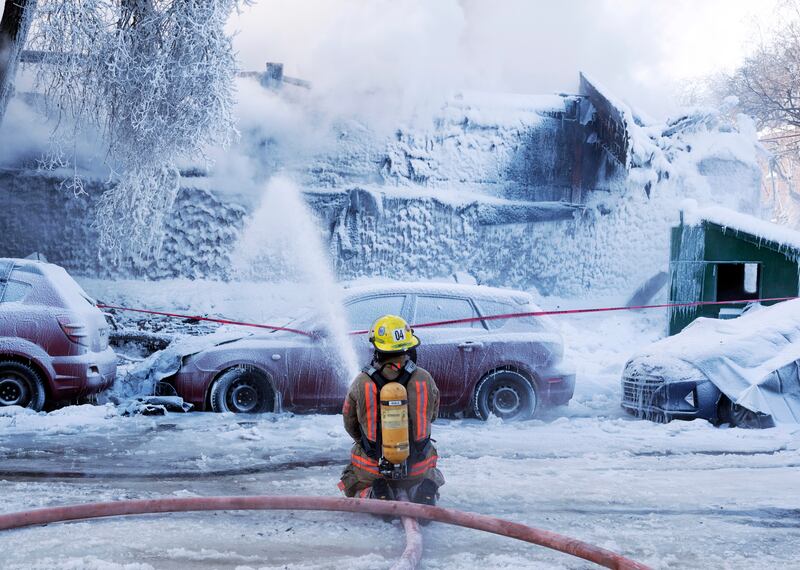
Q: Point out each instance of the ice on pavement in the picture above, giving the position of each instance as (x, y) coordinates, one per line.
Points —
(678, 495)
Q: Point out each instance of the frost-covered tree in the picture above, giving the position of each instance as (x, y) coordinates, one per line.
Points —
(155, 78)
(767, 84)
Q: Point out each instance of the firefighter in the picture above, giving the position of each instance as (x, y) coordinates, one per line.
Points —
(370, 474)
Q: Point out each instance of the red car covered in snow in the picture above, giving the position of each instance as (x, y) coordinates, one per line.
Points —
(510, 368)
(53, 339)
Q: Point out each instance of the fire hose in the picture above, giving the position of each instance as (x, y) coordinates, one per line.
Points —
(409, 511)
(412, 553)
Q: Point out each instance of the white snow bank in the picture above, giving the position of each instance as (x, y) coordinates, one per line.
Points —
(497, 110)
(69, 420)
(752, 359)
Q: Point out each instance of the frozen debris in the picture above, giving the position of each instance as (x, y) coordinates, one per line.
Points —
(146, 341)
(649, 289)
(699, 142)
(154, 406)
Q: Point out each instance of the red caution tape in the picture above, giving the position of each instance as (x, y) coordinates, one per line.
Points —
(596, 310)
(465, 320)
(208, 319)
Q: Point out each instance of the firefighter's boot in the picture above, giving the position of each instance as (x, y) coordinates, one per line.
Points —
(382, 490)
(425, 493)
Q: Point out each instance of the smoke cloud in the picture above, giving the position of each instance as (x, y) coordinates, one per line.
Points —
(403, 56)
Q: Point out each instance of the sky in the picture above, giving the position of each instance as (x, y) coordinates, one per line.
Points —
(644, 50)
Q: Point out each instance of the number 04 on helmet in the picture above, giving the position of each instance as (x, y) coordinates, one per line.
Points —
(392, 335)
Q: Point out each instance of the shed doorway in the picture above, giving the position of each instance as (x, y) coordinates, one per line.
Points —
(738, 281)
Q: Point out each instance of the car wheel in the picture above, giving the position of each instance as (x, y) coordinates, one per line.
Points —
(242, 390)
(21, 385)
(506, 394)
(739, 416)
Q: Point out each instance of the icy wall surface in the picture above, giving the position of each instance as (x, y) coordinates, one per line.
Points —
(39, 216)
(515, 190)
(525, 147)
(391, 235)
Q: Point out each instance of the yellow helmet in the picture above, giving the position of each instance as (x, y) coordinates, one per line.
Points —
(392, 334)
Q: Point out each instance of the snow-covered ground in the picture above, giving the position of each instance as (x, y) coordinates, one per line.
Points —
(680, 495)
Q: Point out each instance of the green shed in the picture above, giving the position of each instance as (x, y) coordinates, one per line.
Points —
(720, 255)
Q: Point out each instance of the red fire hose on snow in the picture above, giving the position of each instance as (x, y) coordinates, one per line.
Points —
(412, 553)
(409, 511)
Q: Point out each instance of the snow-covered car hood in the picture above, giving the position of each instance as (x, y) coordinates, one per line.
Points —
(667, 367)
(750, 358)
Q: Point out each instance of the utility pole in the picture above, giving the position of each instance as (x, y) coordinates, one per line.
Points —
(14, 26)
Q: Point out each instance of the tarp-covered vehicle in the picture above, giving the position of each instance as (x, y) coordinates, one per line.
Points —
(743, 371)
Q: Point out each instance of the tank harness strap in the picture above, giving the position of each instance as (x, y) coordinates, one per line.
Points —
(421, 467)
(371, 441)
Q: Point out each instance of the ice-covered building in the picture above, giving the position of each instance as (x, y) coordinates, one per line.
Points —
(566, 193)
(722, 256)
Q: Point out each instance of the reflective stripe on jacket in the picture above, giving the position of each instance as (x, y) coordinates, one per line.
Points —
(361, 414)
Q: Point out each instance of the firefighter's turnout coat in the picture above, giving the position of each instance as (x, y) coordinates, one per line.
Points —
(361, 413)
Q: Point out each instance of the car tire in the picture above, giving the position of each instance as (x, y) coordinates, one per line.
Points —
(738, 416)
(506, 394)
(21, 385)
(242, 390)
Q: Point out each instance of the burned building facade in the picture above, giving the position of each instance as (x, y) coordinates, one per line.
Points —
(555, 192)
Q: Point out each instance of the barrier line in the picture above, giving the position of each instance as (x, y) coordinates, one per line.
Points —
(208, 319)
(464, 320)
(594, 310)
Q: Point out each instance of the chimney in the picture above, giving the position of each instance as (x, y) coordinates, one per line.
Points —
(274, 76)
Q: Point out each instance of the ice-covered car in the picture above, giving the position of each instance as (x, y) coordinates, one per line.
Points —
(53, 339)
(743, 371)
(510, 368)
